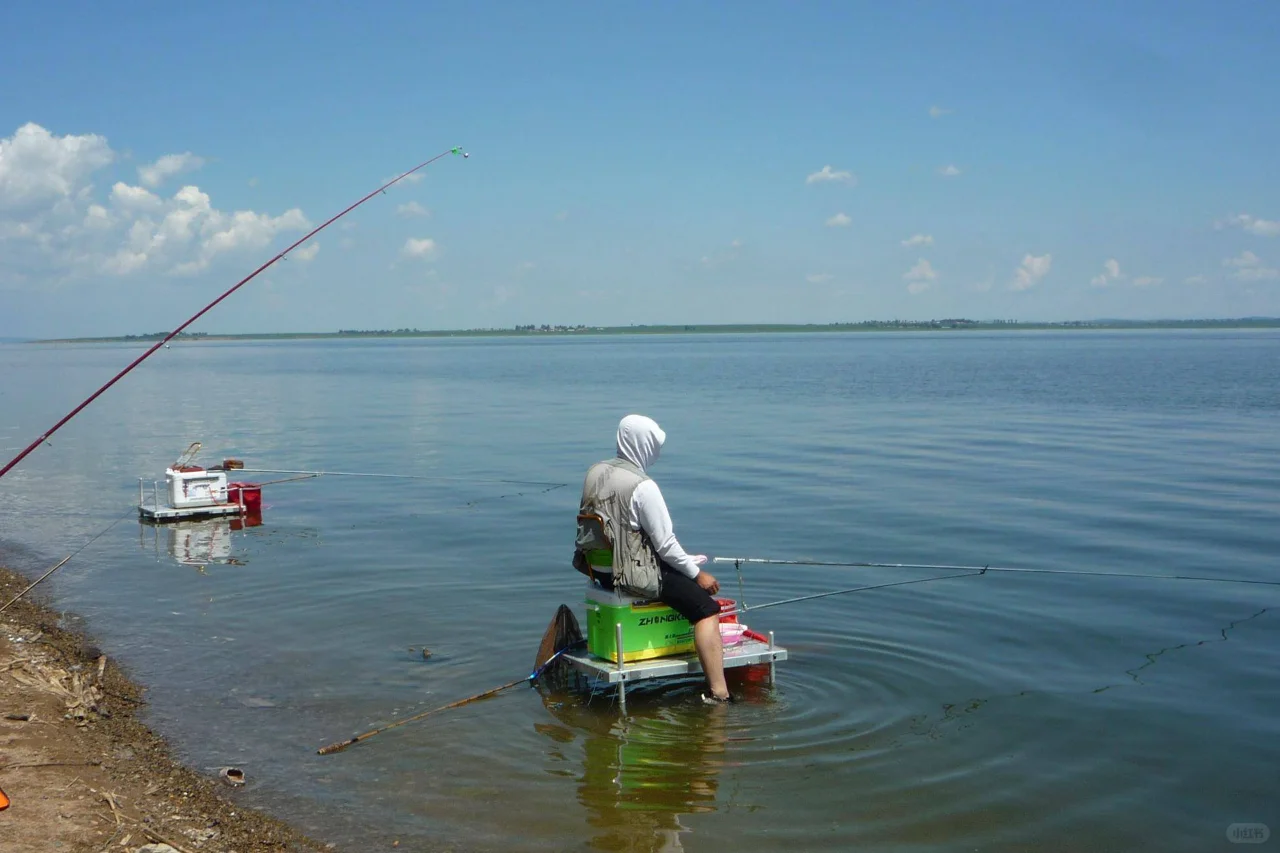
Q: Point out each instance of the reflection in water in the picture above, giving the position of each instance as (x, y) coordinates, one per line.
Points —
(195, 543)
(643, 771)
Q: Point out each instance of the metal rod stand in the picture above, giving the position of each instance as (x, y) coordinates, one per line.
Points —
(622, 683)
(771, 659)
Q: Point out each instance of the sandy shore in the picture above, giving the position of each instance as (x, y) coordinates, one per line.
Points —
(83, 773)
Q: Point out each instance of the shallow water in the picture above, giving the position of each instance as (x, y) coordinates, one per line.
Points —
(1003, 712)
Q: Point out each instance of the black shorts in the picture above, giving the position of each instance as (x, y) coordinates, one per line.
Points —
(682, 594)
(679, 592)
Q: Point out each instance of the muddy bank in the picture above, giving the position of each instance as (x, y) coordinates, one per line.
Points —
(82, 771)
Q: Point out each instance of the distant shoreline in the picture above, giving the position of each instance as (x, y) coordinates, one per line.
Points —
(697, 329)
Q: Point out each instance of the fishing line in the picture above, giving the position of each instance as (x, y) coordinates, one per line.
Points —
(742, 591)
(287, 480)
(403, 477)
(478, 501)
(250, 277)
(980, 569)
(67, 558)
(854, 589)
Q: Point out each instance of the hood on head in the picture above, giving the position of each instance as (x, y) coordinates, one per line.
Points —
(640, 440)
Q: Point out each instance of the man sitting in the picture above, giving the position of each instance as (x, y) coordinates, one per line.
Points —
(623, 511)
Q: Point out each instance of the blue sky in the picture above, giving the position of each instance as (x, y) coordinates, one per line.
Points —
(636, 163)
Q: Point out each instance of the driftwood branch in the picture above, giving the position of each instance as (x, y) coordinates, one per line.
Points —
(52, 764)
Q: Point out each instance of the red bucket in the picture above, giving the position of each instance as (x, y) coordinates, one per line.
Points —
(727, 606)
(248, 495)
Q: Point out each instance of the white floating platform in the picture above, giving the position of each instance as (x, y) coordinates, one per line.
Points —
(747, 653)
(163, 512)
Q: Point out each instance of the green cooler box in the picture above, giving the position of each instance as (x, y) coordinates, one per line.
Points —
(650, 629)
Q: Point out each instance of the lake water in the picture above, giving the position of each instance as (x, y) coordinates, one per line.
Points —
(1004, 712)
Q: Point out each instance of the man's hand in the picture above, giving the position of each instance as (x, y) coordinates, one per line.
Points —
(708, 581)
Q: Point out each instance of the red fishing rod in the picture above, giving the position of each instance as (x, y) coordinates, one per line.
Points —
(250, 277)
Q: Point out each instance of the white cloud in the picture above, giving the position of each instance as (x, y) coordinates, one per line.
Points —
(97, 218)
(949, 171)
(221, 232)
(818, 277)
(1248, 267)
(306, 253)
(1195, 279)
(828, 175)
(127, 196)
(1243, 260)
(918, 240)
(840, 220)
(736, 244)
(53, 224)
(1253, 225)
(918, 287)
(939, 112)
(154, 174)
(1030, 271)
(1110, 273)
(983, 286)
(124, 262)
(412, 209)
(922, 271)
(38, 168)
(419, 248)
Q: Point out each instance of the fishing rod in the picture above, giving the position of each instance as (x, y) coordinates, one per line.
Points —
(562, 635)
(402, 477)
(130, 511)
(983, 569)
(533, 676)
(747, 609)
(250, 277)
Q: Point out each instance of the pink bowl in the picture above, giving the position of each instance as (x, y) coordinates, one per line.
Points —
(731, 633)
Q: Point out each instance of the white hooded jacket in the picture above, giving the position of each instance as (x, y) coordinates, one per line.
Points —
(640, 440)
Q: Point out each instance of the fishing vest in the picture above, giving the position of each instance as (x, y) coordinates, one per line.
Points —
(605, 543)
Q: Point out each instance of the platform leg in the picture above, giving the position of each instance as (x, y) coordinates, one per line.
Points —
(622, 685)
(771, 659)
